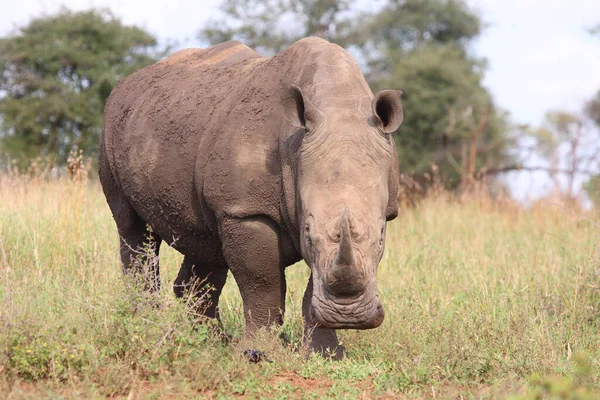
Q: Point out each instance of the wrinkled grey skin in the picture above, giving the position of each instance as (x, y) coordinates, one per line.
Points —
(251, 164)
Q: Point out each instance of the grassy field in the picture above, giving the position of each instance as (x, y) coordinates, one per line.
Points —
(482, 300)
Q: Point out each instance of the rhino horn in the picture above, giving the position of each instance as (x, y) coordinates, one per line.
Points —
(345, 254)
(345, 278)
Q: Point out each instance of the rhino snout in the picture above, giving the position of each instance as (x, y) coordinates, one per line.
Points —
(359, 313)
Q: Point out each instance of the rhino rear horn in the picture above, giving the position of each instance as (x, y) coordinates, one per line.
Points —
(387, 109)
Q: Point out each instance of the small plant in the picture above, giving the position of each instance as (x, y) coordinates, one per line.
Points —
(579, 386)
(45, 356)
(144, 266)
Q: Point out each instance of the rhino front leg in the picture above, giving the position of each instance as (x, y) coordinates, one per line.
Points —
(251, 249)
(319, 340)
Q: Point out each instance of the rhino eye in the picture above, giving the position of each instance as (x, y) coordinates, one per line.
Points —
(308, 229)
(382, 236)
(336, 237)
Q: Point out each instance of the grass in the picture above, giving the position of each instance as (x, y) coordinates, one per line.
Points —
(482, 300)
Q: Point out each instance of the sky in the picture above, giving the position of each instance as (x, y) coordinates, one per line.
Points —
(540, 53)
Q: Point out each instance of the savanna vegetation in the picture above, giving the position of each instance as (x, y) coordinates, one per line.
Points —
(483, 300)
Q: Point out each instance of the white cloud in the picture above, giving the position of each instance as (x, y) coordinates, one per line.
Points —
(566, 49)
(568, 70)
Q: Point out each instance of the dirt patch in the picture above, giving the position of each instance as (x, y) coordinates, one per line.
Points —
(301, 384)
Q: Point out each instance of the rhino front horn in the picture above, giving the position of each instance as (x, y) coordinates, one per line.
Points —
(345, 254)
(345, 278)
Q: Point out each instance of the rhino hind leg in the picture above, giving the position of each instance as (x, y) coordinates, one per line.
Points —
(203, 282)
(139, 249)
(319, 340)
(139, 245)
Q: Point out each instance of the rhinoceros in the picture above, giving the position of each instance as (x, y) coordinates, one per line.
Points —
(250, 164)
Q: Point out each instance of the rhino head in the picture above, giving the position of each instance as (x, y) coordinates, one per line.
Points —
(346, 187)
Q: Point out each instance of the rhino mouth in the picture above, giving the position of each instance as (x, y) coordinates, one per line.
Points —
(361, 312)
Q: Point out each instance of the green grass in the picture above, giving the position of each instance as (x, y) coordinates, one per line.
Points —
(482, 300)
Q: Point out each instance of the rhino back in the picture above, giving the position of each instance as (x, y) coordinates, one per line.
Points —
(161, 125)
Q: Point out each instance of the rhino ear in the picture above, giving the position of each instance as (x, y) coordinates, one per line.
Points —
(387, 109)
(299, 110)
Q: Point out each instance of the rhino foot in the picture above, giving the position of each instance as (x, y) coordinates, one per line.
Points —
(324, 341)
(256, 356)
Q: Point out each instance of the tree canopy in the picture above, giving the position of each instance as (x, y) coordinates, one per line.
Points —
(592, 111)
(421, 46)
(269, 26)
(55, 76)
(592, 107)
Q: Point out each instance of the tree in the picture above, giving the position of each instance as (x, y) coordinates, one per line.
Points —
(570, 144)
(406, 25)
(450, 120)
(269, 26)
(418, 45)
(55, 76)
(592, 109)
(592, 189)
(446, 108)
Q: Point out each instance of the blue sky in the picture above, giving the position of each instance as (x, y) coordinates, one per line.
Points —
(540, 53)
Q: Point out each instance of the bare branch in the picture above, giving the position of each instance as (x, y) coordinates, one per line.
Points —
(526, 168)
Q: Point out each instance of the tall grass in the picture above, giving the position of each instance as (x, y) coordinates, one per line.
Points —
(481, 298)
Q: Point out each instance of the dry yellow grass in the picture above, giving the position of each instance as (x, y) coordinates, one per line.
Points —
(479, 297)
